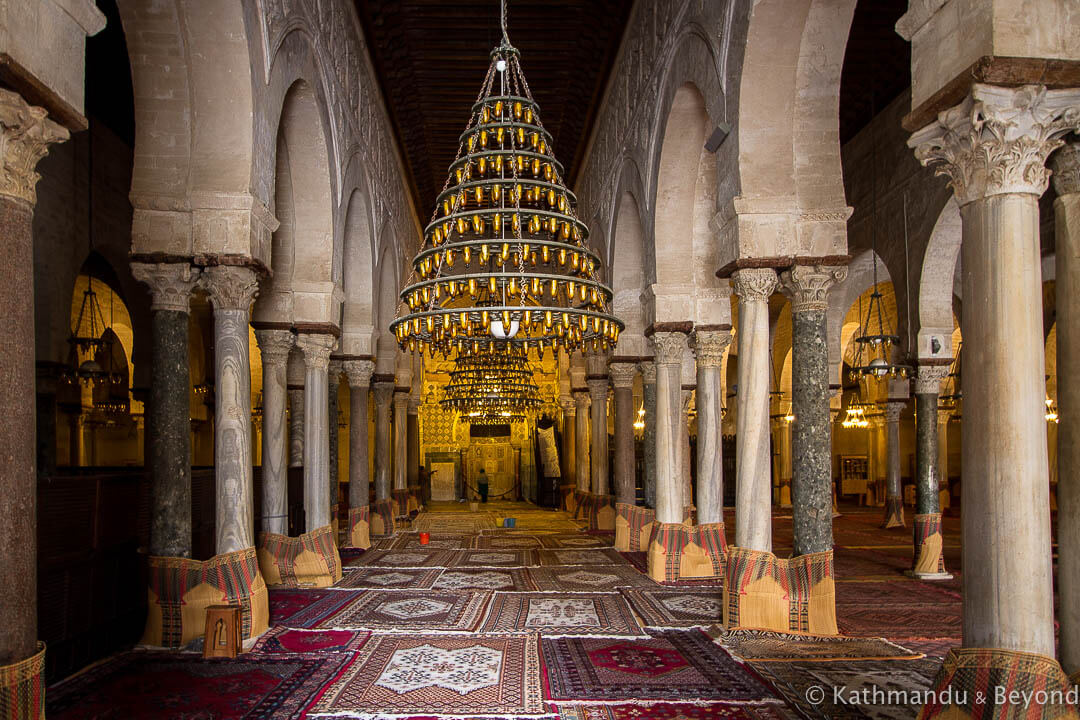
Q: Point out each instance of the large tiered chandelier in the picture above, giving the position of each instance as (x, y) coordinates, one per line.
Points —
(504, 261)
(483, 385)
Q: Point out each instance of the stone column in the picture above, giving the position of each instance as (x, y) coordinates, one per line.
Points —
(384, 392)
(753, 502)
(622, 378)
(894, 498)
(274, 346)
(168, 417)
(569, 465)
(598, 453)
(709, 347)
(581, 441)
(232, 290)
(333, 381)
(811, 482)
(295, 377)
(943, 457)
(27, 134)
(927, 481)
(412, 450)
(669, 349)
(316, 348)
(401, 407)
(686, 473)
(648, 439)
(993, 146)
(1066, 165)
(358, 373)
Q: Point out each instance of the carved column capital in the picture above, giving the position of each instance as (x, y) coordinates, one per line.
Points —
(892, 410)
(648, 372)
(808, 285)
(943, 416)
(622, 374)
(401, 401)
(25, 136)
(754, 284)
(383, 392)
(274, 346)
(316, 348)
(230, 287)
(997, 140)
(358, 372)
(598, 389)
(581, 400)
(669, 347)
(709, 347)
(568, 405)
(334, 371)
(928, 378)
(170, 284)
(1066, 166)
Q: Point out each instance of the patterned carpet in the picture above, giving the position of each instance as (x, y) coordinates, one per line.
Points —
(541, 622)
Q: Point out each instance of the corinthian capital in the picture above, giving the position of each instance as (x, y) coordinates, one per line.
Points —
(929, 377)
(754, 284)
(275, 345)
(1066, 166)
(25, 136)
(648, 372)
(622, 374)
(170, 284)
(316, 348)
(808, 285)
(598, 389)
(230, 287)
(997, 140)
(581, 400)
(669, 347)
(358, 372)
(709, 347)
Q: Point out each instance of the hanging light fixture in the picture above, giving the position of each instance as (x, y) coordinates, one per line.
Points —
(504, 261)
(492, 383)
(855, 417)
(951, 400)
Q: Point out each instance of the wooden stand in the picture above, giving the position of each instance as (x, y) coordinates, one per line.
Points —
(222, 637)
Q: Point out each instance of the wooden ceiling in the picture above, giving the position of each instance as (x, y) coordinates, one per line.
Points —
(431, 57)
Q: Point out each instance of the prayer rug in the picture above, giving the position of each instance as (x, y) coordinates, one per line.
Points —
(495, 558)
(485, 579)
(412, 610)
(305, 608)
(669, 711)
(388, 578)
(851, 690)
(770, 646)
(290, 641)
(932, 647)
(670, 607)
(578, 541)
(599, 556)
(506, 542)
(401, 674)
(562, 614)
(639, 560)
(895, 592)
(404, 558)
(152, 686)
(899, 621)
(411, 541)
(670, 665)
(598, 578)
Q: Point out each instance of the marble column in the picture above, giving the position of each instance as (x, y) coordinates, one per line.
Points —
(316, 348)
(27, 134)
(384, 392)
(232, 290)
(709, 347)
(168, 417)
(811, 481)
(333, 381)
(412, 451)
(993, 146)
(622, 379)
(927, 467)
(401, 445)
(1066, 165)
(669, 348)
(894, 497)
(581, 441)
(274, 347)
(569, 430)
(753, 501)
(295, 378)
(598, 452)
(358, 373)
(686, 401)
(648, 436)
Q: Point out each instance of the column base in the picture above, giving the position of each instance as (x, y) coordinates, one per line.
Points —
(566, 498)
(181, 589)
(928, 576)
(633, 527)
(400, 500)
(310, 560)
(382, 518)
(986, 682)
(335, 523)
(678, 552)
(928, 562)
(580, 498)
(601, 512)
(359, 535)
(766, 592)
(416, 499)
(894, 513)
(22, 687)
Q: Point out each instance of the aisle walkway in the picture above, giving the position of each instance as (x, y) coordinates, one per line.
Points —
(541, 621)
